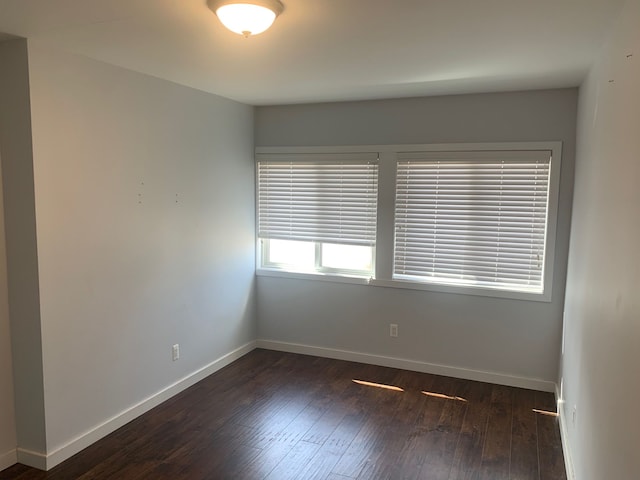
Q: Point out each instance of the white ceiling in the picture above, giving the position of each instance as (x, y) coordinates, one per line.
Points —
(328, 50)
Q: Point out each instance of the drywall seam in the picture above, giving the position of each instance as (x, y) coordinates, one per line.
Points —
(82, 441)
(413, 365)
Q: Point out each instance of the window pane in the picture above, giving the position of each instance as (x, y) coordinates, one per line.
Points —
(293, 253)
(347, 257)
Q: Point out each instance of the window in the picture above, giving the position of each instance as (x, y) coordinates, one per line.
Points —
(317, 213)
(475, 219)
(472, 218)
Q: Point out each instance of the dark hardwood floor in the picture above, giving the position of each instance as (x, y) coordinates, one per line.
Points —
(279, 416)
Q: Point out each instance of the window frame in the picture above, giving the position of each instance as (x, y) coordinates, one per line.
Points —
(311, 156)
(384, 245)
(318, 268)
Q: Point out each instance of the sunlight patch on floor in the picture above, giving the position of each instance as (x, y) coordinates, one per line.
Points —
(544, 412)
(442, 395)
(378, 385)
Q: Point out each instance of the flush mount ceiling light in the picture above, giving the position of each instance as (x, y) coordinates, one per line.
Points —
(246, 17)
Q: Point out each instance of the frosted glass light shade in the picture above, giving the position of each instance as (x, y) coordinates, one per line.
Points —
(246, 17)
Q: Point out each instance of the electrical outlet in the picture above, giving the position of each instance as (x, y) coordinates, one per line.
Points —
(393, 330)
(175, 351)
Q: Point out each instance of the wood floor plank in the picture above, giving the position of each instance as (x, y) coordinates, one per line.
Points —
(380, 404)
(191, 458)
(291, 466)
(322, 429)
(288, 423)
(496, 453)
(21, 472)
(468, 453)
(551, 459)
(363, 449)
(405, 452)
(524, 455)
(442, 439)
(285, 416)
(265, 461)
(330, 452)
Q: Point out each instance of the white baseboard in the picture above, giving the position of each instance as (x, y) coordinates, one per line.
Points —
(414, 365)
(564, 436)
(32, 459)
(82, 441)
(8, 459)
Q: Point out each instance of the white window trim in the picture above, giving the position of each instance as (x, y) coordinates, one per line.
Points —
(386, 198)
(317, 276)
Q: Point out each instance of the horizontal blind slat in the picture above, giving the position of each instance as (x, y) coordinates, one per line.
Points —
(321, 198)
(472, 217)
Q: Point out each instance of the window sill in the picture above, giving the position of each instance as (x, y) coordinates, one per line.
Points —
(322, 277)
(463, 290)
(406, 285)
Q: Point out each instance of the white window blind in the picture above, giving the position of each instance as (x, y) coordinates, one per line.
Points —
(472, 218)
(328, 198)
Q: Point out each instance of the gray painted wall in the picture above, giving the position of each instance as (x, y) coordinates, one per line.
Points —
(22, 259)
(602, 321)
(145, 235)
(510, 337)
(8, 440)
